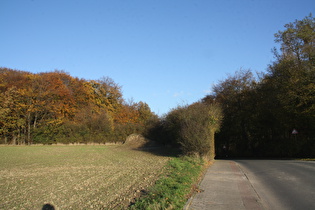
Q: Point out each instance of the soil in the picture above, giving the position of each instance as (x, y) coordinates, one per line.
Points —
(75, 177)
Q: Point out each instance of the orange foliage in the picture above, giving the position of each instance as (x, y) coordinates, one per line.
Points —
(126, 114)
(40, 103)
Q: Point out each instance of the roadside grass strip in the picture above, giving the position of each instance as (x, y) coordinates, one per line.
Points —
(307, 159)
(174, 187)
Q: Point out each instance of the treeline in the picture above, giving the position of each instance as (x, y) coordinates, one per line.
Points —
(270, 115)
(54, 107)
(274, 114)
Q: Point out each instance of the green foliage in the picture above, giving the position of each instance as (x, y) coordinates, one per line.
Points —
(234, 94)
(172, 189)
(192, 128)
(297, 41)
(259, 116)
(291, 78)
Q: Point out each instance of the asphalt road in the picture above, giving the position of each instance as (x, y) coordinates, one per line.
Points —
(282, 184)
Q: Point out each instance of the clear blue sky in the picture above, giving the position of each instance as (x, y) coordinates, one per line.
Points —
(162, 52)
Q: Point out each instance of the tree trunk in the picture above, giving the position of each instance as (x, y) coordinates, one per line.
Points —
(29, 129)
(212, 145)
(14, 140)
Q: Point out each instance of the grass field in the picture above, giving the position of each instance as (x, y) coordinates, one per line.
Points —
(74, 177)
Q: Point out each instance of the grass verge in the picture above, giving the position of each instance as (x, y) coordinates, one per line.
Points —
(172, 190)
(307, 159)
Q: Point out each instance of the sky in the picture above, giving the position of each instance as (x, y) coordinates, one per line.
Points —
(163, 52)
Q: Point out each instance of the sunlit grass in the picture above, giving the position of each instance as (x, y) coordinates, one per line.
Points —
(308, 159)
(172, 190)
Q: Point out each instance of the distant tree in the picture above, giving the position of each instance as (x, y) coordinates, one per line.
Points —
(53, 107)
(297, 42)
(259, 116)
(234, 95)
(11, 123)
(294, 69)
(145, 113)
(292, 77)
(108, 93)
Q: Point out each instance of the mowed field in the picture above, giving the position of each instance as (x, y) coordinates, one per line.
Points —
(74, 177)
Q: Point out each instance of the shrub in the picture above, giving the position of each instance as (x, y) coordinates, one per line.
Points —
(193, 127)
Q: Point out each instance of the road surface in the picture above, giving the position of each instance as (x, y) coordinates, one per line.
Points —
(282, 184)
(256, 184)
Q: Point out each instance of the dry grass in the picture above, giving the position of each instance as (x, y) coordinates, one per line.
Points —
(74, 177)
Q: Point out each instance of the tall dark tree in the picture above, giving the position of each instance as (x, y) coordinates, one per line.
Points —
(292, 77)
(234, 95)
(259, 116)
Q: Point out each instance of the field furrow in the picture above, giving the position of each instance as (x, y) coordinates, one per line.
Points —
(74, 177)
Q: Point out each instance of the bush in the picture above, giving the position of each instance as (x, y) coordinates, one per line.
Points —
(193, 127)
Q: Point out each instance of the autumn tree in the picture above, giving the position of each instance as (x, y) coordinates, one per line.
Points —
(16, 105)
(52, 106)
(12, 124)
(107, 94)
